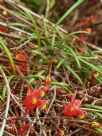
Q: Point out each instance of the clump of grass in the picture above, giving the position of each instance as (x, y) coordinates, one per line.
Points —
(42, 41)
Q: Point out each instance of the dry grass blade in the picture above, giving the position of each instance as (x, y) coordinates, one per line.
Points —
(7, 103)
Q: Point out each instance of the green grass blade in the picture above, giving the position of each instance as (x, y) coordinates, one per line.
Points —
(2, 44)
(39, 53)
(4, 89)
(91, 65)
(61, 84)
(77, 32)
(76, 76)
(60, 63)
(93, 106)
(35, 25)
(98, 114)
(75, 56)
(19, 24)
(68, 12)
(99, 130)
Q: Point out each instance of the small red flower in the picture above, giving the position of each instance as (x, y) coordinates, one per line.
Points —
(33, 99)
(42, 104)
(23, 129)
(73, 108)
(39, 93)
(24, 65)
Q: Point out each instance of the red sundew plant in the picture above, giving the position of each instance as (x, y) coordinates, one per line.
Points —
(73, 108)
(33, 100)
(88, 30)
(84, 36)
(82, 23)
(94, 75)
(23, 129)
(3, 29)
(24, 66)
(12, 125)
